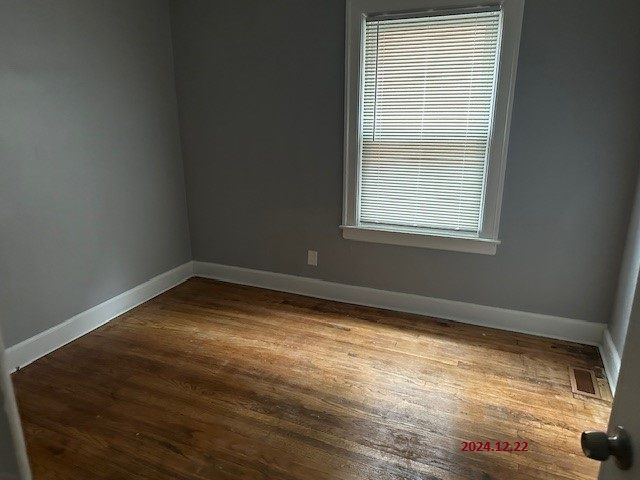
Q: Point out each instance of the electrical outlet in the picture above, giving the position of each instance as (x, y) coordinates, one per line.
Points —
(312, 258)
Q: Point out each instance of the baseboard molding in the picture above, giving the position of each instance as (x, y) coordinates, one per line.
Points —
(513, 320)
(610, 359)
(39, 345)
(549, 326)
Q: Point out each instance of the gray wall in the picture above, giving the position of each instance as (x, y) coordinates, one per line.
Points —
(92, 198)
(260, 89)
(628, 280)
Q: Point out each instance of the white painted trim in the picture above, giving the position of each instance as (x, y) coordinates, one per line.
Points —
(45, 342)
(420, 239)
(610, 359)
(538, 324)
(356, 10)
(12, 416)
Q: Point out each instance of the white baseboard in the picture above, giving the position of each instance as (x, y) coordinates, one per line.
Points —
(538, 324)
(561, 328)
(610, 359)
(39, 345)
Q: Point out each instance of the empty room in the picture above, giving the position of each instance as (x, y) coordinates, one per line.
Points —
(319, 239)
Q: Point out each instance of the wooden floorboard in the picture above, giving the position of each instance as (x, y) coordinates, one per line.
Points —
(214, 380)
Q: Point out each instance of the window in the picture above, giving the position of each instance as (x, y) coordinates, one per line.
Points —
(429, 91)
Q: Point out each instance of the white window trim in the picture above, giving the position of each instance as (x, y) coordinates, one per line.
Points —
(487, 240)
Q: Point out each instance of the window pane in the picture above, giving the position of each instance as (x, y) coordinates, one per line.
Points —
(429, 84)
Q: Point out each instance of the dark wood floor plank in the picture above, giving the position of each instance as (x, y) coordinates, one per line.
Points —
(213, 380)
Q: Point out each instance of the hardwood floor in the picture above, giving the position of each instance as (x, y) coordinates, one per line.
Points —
(213, 380)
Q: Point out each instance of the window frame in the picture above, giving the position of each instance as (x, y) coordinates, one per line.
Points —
(487, 240)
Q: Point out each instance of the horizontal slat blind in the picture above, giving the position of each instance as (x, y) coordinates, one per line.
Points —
(429, 85)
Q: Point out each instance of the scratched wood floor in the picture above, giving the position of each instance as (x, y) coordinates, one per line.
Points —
(219, 381)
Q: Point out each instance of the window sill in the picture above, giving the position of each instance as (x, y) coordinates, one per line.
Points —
(419, 239)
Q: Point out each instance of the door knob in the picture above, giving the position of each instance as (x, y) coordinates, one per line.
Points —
(600, 446)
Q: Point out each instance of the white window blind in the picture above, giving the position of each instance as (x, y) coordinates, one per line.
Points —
(429, 85)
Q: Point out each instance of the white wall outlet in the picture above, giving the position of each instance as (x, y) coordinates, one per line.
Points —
(312, 258)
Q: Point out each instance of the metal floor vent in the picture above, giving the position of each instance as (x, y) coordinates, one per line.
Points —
(583, 382)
